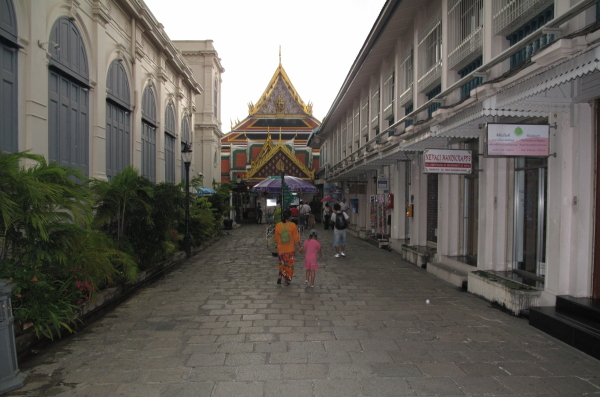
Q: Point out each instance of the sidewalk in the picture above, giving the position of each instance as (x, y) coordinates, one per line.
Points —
(219, 325)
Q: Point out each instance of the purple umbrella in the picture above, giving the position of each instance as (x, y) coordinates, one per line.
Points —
(296, 185)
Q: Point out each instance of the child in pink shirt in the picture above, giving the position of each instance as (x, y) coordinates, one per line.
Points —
(311, 247)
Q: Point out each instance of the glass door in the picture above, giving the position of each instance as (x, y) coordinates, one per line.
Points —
(530, 215)
(471, 206)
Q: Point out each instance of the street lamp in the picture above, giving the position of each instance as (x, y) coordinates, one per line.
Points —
(186, 153)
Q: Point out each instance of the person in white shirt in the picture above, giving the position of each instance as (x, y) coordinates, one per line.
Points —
(344, 206)
(304, 212)
(340, 222)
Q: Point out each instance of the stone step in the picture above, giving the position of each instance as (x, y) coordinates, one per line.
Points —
(579, 332)
(581, 307)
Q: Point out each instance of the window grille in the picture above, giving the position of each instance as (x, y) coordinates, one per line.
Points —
(364, 117)
(388, 95)
(405, 81)
(343, 137)
(430, 53)
(357, 126)
(465, 90)
(350, 132)
(531, 26)
(465, 31)
(508, 15)
(407, 110)
(170, 144)
(375, 108)
(430, 95)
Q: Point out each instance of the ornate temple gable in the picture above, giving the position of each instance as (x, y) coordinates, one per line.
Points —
(266, 164)
(280, 99)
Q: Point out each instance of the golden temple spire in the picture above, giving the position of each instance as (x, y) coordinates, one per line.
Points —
(279, 54)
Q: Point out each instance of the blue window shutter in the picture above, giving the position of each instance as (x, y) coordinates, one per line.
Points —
(8, 99)
(118, 122)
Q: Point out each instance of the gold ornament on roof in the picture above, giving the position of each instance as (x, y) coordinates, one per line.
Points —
(280, 166)
(279, 104)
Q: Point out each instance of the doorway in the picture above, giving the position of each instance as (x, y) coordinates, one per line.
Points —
(530, 216)
(471, 206)
(596, 270)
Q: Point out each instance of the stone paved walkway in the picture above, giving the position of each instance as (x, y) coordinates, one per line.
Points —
(220, 326)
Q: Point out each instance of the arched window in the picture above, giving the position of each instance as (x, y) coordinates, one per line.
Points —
(118, 113)
(8, 77)
(185, 139)
(149, 134)
(68, 96)
(170, 144)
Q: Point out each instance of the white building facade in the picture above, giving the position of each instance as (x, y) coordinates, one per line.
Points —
(97, 84)
(206, 67)
(434, 75)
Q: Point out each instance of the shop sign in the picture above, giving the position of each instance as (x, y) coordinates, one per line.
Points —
(448, 161)
(522, 140)
(382, 184)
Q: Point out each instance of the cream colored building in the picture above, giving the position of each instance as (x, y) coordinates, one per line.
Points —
(434, 74)
(98, 84)
(205, 63)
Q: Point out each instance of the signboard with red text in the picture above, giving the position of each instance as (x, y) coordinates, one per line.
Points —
(448, 161)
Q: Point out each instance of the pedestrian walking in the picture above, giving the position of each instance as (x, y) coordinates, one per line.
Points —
(326, 216)
(288, 241)
(304, 211)
(259, 213)
(311, 220)
(312, 247)
(340, 223)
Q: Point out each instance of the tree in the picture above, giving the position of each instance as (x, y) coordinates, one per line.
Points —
(116, 198)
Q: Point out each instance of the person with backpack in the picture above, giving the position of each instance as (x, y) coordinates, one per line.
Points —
(339, 220)
(288, 241)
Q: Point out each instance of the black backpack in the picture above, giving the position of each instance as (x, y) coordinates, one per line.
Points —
(340, 221)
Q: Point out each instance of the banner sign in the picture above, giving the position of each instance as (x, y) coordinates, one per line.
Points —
(448, 161)
(512, 140)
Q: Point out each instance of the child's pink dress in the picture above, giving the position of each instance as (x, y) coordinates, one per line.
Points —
(310, 258)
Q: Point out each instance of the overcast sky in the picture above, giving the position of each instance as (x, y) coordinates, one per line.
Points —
(319, 41)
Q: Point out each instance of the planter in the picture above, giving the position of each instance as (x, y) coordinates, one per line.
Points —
(509, 294)
(418, 256)
(228, 224)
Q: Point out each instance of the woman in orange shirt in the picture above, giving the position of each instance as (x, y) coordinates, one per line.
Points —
(288, 241)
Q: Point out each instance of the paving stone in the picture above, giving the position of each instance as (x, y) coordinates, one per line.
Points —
(337, 388)
(571, 385)
(305, 371)
(387, 387)
(397, 370)
(191, 389)
(481, 386)
(441, 369)
(350, 371)
(258, 372)
(526, 385)
(435, 387)
(246, 389)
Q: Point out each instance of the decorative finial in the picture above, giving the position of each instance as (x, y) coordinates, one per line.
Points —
(279, 54)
